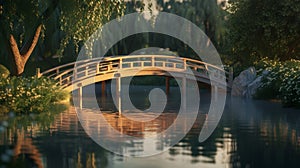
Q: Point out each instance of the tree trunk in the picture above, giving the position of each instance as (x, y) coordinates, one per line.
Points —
(20, 58)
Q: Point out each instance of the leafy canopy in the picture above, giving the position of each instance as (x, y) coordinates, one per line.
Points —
(69, 21)
(264, 28)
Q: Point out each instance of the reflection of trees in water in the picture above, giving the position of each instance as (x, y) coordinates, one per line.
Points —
(269, 136)
(191, 146)
(63, 142)
(259, 134)
(19, 136)
(24, 146)
(248, 135)
(67, 145)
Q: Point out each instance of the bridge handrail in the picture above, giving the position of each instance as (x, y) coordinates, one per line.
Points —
(126, 57)
(62, 70)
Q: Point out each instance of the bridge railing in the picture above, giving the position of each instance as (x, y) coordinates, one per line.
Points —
(76, 71)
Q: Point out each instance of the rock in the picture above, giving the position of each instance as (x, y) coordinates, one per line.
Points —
(241, 82)
(252, 87)
(265, 72)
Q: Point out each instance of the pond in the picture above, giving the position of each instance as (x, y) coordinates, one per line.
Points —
(250, 133)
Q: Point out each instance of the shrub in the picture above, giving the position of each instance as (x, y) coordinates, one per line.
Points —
(282, 82)
(24, 95)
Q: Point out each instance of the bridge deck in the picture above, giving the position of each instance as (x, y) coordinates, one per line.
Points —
(87, 72)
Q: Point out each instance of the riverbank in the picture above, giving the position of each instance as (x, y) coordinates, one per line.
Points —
(270, 80)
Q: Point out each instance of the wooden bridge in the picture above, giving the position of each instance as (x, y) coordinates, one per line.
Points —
(75, 75)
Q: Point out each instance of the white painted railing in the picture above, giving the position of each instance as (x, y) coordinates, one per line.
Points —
(77, 71)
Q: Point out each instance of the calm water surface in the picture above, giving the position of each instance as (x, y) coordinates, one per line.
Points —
(250, 134)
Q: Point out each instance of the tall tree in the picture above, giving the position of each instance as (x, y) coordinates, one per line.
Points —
(206, 14)
(23, 21)
(264, 28)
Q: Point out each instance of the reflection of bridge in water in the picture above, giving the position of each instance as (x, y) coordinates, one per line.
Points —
(59, 146)
(74, 76)
(124, 125)
(132, 137)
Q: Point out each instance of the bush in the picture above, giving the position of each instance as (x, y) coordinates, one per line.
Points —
(282, 82)
(4, 72)
(32, 94)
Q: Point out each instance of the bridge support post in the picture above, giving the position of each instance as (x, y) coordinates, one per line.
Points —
(103, 88)
(80, 96)
(167, 85)
(118, 95)
(183, 101)
(215, 90)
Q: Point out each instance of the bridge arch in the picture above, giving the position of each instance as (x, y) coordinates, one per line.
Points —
(75, 75)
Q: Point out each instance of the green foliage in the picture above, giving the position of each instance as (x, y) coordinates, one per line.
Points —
(66, 24)
(264, 28)
(80, 19)
(282, 82)
(4, 72)
(26, 95)
(208, 15)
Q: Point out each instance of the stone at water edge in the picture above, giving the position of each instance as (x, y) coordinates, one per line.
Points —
(241, 82)
(252, 87)
(265, 72)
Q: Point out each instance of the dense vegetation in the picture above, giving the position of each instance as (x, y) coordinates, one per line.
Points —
(30, 94)
(265, 34)
(281, 82)
(263, 28)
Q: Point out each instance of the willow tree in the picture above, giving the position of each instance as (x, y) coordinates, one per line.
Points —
(23, 23)
(206, 14)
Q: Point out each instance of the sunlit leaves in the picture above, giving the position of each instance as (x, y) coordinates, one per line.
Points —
(32, 94)
(281, 82)
(81, 18)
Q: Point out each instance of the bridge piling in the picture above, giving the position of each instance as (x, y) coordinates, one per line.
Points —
(103, 88)
(118, 95)
(215, 90)
(80, 96)
(167, 85)
(183, 93)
